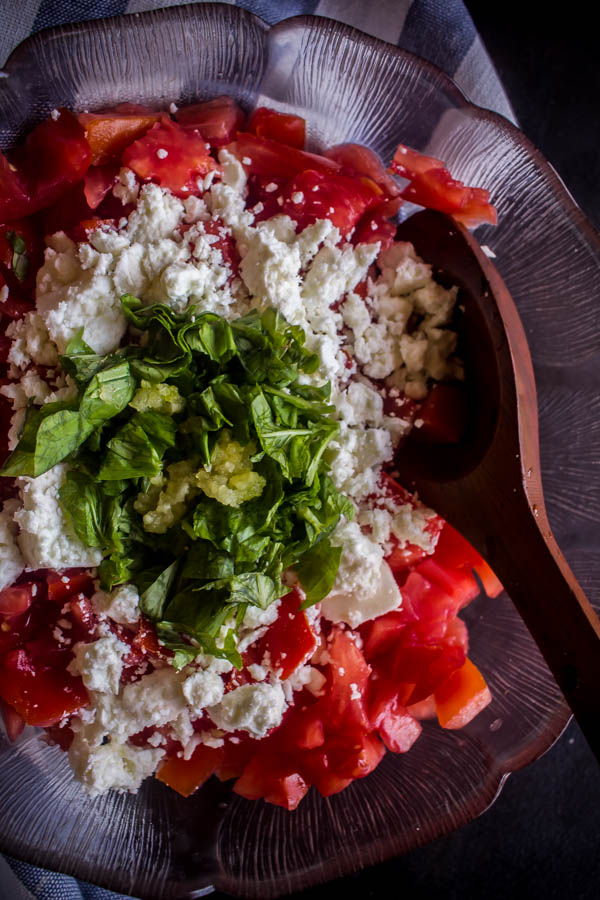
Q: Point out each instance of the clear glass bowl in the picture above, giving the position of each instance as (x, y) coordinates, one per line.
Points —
(350, 87)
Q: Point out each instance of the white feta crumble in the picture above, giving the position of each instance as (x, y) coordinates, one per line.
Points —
(255, 708)
(45, 539)
(112, 766)
(11, 560)
(202, 689)
(121, 604)
(100, 663)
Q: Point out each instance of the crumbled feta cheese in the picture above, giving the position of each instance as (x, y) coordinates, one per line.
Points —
(100, 663)
(202, 689)
(45, 539)
(11, 560)
(255, 708)
(121, 605)
(112, 766)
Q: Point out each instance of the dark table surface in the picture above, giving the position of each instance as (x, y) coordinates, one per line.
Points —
(541, 839)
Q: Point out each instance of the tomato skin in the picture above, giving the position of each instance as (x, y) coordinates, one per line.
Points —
(311, 195)
(282, 127)
(382, 633)
(453, 552)
(375, 228)
(290, 639)
(186, 775)
(345, 701)
(361, 160)
(427, 665)
(15, 196)
(15, 600)
(97, 183)
(461, 697)
(399, 730)
(218, 120)
(41, 697)
(57, 155)
(186, 159)
(272, 778)
(75, 582)
(432, 185)
(271, 160)
(109, 133)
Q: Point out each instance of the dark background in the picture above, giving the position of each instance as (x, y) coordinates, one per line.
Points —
(541, 839)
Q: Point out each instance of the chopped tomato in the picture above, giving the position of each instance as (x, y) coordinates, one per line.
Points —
(236, 758)
(13, 308)
(218, 120)
(453, 551)
(56, 156)
(41, 697)
(97, 183)
(109, 133)
(426, 665)
(303, 728)
(432, 185)
(13, 722)
(385, 695)
(428, 600)
(461, 697)
(225, 243)
(171, 156)
(186, 775)
(374, 227)
(444, 414)
(349, 672)
(317, 769)
(311, 195)
(16, 600)
(282, 127)
(290, 639)
(355, 758)
(399, 730)
(360, 160)
(273, 778)
(15, 196)
(459, 584)
(272, 160)
(61, 587)
(381, 634)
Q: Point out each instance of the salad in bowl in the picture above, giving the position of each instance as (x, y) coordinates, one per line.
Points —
(213, 347)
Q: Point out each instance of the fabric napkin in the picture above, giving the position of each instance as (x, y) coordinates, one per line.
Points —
(441, 31)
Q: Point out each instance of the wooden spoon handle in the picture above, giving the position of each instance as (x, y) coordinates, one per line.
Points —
(557, 613)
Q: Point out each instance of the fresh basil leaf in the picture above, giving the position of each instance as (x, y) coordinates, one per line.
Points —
(107, 394)
(254, 588)
(83, 504)
(203, 561)
(153, 600)
(212, 336)
(49, 435)
(160, 428)
(130, 454)
(317, 569)
(20, 260)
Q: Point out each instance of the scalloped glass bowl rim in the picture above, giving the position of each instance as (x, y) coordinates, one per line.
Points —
(560, 719)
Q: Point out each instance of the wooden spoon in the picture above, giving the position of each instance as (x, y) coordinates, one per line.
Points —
(489, 486)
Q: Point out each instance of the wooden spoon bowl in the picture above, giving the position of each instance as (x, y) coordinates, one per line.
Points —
(488, 486)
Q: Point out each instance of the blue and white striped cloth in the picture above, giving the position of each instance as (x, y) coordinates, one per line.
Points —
(438, 30)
